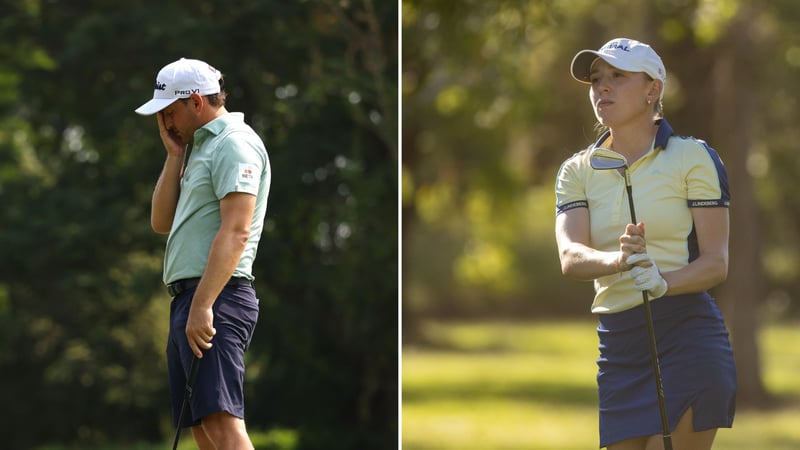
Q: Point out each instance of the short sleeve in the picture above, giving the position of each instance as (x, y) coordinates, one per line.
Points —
(570, 186)
(706, 179)
(238, 166)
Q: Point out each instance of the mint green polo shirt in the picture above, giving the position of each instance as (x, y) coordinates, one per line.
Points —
(227, 156)
(677, 174)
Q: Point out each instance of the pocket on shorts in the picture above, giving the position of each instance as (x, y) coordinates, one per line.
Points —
(237, 308)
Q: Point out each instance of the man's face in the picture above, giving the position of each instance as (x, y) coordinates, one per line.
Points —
(181, 120)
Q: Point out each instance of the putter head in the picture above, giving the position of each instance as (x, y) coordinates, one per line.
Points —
(604, 159)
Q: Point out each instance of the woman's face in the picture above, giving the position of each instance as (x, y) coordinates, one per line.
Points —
(619, 96)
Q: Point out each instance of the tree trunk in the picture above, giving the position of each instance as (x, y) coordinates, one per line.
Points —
(734, 107)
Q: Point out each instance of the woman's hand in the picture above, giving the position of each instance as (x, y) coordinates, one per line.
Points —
(646, 276)
(630, 243)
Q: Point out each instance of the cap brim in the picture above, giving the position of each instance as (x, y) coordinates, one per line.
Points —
(582, 64)
(155, 105)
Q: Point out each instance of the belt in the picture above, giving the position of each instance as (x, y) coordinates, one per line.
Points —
(179, 286)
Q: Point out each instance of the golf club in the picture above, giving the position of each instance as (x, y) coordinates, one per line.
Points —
(187, 395)
(604, 159)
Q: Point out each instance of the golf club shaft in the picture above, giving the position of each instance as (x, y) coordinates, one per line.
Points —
(187, 395)
(651, 335)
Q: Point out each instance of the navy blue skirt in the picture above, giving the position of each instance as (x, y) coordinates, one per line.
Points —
(697, 368)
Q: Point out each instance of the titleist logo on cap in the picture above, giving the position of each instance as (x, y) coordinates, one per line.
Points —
(181, 79)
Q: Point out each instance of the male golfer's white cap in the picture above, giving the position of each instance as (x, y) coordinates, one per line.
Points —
(625, 54)
(181, 79)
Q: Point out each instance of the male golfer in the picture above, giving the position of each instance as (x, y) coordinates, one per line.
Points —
(211, 198)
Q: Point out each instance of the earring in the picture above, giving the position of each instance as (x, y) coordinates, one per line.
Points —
(649, 101)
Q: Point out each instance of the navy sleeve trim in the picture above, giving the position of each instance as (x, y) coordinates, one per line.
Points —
(721, 173)
(709, 203)
(571, 205)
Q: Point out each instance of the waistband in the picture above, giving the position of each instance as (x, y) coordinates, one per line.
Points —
(663, 308)
(175, 288)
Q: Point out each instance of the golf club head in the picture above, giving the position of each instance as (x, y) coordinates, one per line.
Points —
(604, 159)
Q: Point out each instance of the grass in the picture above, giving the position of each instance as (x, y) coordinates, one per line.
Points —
(500, 385)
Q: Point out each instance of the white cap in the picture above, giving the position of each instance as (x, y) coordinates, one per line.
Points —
(181, 79)
(624, 54)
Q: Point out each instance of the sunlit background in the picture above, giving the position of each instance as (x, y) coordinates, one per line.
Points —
(489, 113)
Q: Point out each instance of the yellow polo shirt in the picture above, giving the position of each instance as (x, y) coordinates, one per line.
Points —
(678, 173)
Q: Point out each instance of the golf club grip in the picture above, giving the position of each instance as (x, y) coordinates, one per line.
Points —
(630, 203)
(192, 376)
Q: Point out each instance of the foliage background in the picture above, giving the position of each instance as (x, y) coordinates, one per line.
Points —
(83, 314)
(490, 112)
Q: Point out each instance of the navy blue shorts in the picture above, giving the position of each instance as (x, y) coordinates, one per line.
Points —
(697, 368)
(219, 385)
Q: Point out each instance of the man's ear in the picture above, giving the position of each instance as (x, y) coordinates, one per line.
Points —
(196, 102)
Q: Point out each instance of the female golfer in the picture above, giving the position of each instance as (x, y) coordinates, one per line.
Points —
(677, 251)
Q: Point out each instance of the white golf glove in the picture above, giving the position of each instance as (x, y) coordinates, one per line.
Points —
(647, 278)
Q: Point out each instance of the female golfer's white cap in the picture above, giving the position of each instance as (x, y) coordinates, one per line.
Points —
(181, 79)
(625, 54)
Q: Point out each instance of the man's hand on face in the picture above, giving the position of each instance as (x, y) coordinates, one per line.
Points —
(172, 141)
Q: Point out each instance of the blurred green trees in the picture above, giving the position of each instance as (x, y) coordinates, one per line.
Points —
(83, 314)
